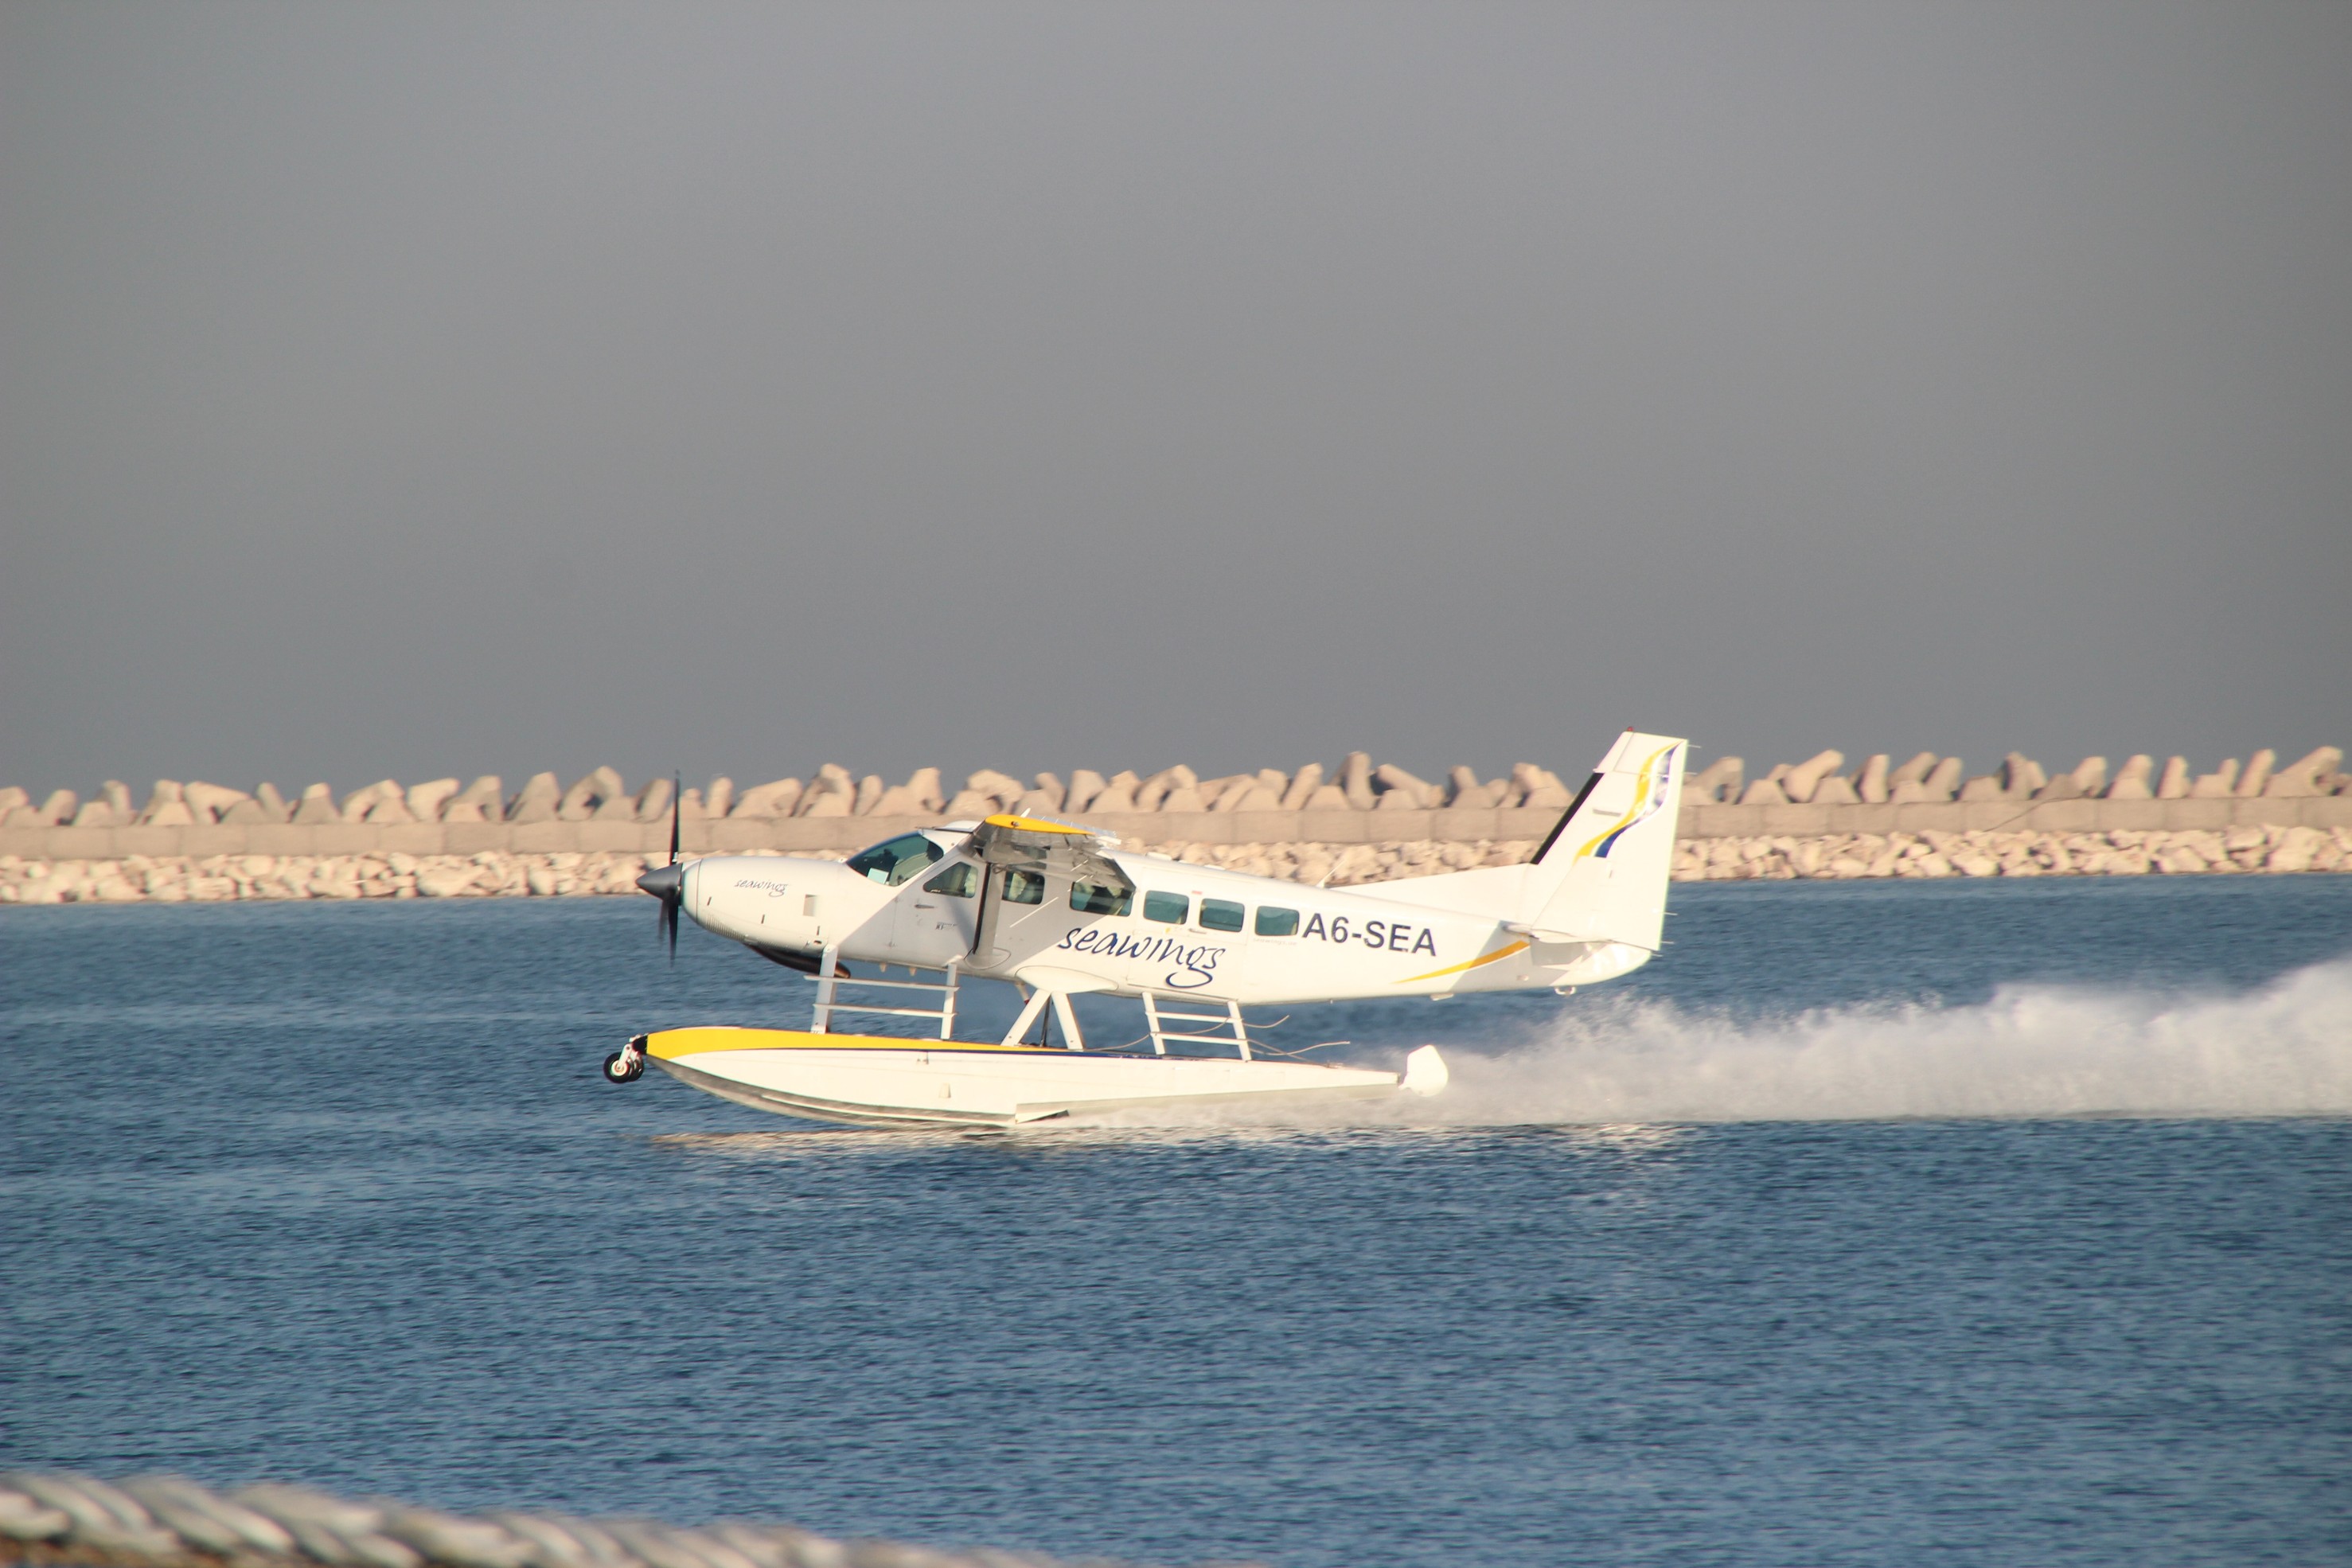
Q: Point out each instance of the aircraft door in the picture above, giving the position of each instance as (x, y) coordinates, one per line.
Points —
(1024, 914)
(933, 918)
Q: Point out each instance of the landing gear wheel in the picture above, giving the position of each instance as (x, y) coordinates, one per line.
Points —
(623, 1066)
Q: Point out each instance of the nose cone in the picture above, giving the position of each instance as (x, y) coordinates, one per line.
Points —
(664, 881)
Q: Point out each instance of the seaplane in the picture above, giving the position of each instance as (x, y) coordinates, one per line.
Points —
(1059, 910)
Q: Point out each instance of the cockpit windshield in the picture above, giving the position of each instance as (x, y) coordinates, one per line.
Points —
(895, 860)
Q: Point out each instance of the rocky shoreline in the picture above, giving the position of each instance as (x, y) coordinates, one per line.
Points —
(179, 878)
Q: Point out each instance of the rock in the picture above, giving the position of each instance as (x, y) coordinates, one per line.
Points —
(1871, 785)
(390, 810)
(1548, 791)
(2221, 785)
(1419, 795)
(2307, 776)
(777, 797)
(360, 801)
(589, 795)
(1004, 789)
(1154, 790)
(316, 807)
(12, 798)
(1085, 784)
(487, 798)
(826, 802)
(1303, 785)
(1049, 787)
(250, 811)
(653, 800)
(1037, 803)
(118, 795)
(536, 801)
(719, 798)
(899, 800)
(2020, 776)
(1938, 779)
(2296, 849)
(2132, 779)
(2257, 775)
(60, 806)
(2174, 785)
(425, 801)
(1720, 780)
(1183, 797)
(167, 793)
(1984, 786)
(1356, 780)
(1802, 780)
(1764, 791)
(1118, 795)
(1835, 790)
(971, 803)
(923, 783)
(1251, 797)
(448, 882)
(1915, 771)
(1327, 797)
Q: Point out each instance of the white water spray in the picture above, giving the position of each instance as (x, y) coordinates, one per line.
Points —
(2284, 1050)
(2031, 1050)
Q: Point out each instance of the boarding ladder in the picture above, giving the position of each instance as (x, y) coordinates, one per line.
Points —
(832, 974)
(1236, 1033)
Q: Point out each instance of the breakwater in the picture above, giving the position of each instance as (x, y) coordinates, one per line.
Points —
(1364, 823)
(166, 1521)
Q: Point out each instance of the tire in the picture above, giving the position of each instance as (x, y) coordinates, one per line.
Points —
(617, 1069)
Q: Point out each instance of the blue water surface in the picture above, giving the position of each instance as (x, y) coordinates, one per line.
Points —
(334, 1193)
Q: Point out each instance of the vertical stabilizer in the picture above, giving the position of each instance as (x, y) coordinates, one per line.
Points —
(1606, 862)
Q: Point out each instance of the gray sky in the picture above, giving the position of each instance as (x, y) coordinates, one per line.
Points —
(445, 388)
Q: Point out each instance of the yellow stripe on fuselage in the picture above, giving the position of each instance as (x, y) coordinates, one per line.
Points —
(1500, 953)
(671, 1044)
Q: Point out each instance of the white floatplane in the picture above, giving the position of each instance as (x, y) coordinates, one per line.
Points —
(1059, 911)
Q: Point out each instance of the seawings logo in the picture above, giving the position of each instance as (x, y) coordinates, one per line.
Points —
(775, 889)
(1197, 964)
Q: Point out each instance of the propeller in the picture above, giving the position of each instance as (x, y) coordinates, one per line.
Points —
(669, 883)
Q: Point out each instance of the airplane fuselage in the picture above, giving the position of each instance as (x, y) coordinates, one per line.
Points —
(1179, 929)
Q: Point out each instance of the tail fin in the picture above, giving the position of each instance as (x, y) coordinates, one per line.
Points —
(1606, 862)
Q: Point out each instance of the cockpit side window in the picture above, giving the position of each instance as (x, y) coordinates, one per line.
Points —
(895, 860)
(1024, 887)
(959, 880)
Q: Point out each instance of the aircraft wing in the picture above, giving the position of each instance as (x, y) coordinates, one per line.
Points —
(1037, 844)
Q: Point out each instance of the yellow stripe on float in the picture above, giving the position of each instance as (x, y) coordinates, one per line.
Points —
(671, 1044)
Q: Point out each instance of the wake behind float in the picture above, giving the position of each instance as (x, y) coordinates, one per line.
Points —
(1053, 908)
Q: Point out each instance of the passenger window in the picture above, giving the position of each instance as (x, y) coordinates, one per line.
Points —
(1024, 887)
(1272, 921)
(1094, 899)
(958, 881)
(895, 860)
(1220, 914)
(1169, 908)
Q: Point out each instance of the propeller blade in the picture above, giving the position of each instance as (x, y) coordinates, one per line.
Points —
(669, 922)
(676, 804)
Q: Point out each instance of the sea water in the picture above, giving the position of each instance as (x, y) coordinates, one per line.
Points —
(1981, 1223)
